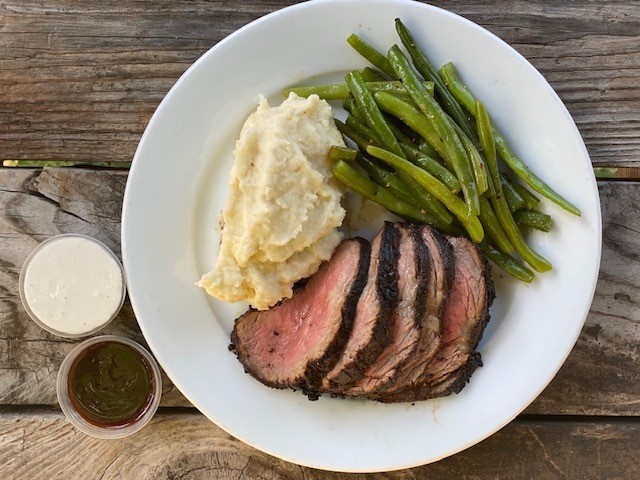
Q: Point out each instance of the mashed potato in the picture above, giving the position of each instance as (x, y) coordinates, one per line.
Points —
(283, 210)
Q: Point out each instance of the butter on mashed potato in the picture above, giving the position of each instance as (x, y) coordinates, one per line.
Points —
(283, 209)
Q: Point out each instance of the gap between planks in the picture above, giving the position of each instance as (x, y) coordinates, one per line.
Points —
(54, 410)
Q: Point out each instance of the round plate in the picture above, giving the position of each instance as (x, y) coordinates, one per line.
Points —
(178, 184)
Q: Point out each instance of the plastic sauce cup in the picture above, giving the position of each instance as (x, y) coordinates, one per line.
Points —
(98, 353)
(72, 285)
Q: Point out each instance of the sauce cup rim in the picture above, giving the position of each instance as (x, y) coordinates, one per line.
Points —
(32, 314)
(72, 413)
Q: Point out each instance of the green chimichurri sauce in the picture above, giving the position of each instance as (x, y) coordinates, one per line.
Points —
(111, 384)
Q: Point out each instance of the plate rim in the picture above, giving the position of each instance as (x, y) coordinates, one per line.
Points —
(308, 5)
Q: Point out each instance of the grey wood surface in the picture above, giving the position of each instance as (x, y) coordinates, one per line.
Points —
(79, 81)
(43, 446)
(601, 376)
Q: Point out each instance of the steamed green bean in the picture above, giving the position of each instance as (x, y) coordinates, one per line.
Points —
(466, 98)
(436, 188)
(458, 158)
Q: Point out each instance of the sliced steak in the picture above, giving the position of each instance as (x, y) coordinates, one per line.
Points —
(436, 262)
(455, 381)
(296, 343)
(465, 317)
(404, 321)
(371, 326)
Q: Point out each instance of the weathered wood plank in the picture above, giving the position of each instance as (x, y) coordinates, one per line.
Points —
(603, 369)
(45, 446)
(601, 376)
(33, 207)
(81, 79)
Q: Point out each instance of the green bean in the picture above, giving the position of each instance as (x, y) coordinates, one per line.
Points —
(488, 145)
(333, 91)
(503, 213)
(426, 200)
(371, 75)
(518, 167)
(428, 106)
(395, 87)
(400, 135)
(428, 150)
(412, 117)
(424, 67)
(537, 262)
(387, 179)
(365, 132)
(530, 200)
(360, 140)
(492, 226)
(616, 173)
(406, 189)
(432, 166)
(364, 137)
(435, 187)
(357, 182)
(534, 219)
(456, 152)
(412, 141)
(511, 195)
(417, 157)
(458, 89)
(466, 98)
(422, 197)
(337, 152)
(374, 57)
(507, 263)
(63, 163)
(340, 91)
(476, 160)
(350, 106)
(375, 119)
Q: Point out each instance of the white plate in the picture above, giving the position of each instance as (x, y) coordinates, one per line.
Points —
(179, 181)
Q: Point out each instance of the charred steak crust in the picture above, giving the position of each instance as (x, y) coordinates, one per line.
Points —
(387, 287)
(386, 283)
(448, 266)
(454, 383)
(458, 379)
(456, 364)
(404, 323)
(317, 369)
(434, 319)
(478, 329)
(253, 320)
(424, 266)
(436, 262)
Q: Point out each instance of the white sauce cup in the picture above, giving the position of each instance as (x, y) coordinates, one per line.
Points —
(68, 274)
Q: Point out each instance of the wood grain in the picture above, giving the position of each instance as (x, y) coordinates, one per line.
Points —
(601, 376)
(80, 79)
(188, 446)
(603, 369)
(35, 205)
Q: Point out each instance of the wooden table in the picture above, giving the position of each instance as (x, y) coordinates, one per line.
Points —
(79, 80)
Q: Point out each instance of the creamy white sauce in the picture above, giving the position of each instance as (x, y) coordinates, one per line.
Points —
(73, 285)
